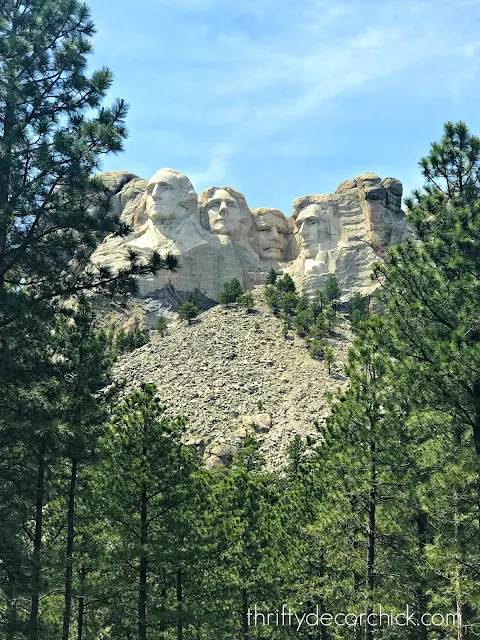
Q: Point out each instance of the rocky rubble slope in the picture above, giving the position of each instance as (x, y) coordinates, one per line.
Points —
(231, 372)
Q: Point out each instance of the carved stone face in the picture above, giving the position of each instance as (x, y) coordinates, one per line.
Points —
(271, 235)
(224, 214)
(170, 197)
(315, 224)
(308, 229)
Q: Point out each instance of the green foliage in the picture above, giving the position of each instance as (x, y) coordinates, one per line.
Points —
(286, 284)
(126, 341)
(320, 301)
(320, 328)
(188, 311)
(303, 322)
(316, 348)
(329, 358)
(248, 457)
(271, 277)
(111, 525)
(247, 301)
(303, 304)
(359, 310)
(288, 303)
(332, 290)
(296, 455)
(273, 298)
(231, 292)
(332, 318)
(161, 326)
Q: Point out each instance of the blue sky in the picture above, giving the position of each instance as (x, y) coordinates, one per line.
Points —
(282, 98)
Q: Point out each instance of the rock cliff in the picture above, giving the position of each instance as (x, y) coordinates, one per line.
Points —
(217, 237)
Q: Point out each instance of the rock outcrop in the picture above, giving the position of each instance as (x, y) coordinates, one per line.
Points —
(217, 237)
(347, 232)
(232, 373)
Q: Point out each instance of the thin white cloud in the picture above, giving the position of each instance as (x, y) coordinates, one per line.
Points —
(216, 170)
(226, 79)
(262, 86)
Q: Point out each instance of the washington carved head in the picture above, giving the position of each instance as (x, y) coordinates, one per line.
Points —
(270, 233)
(317, 224)
(225, 212)
(170, 198)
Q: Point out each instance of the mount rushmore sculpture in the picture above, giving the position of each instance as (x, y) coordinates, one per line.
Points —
(216, 236)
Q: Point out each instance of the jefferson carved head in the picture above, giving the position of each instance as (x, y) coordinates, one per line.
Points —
(170, 198)
(317, 225)
(225, 212)
(270, 233)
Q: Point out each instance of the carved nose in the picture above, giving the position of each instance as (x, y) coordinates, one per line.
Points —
(223, 208)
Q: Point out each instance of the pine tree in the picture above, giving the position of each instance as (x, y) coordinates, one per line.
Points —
(363, 468)
(430, 288)
(288, 302)
(286, 284)
(144, 482)
(272, 276)
(54, 131)
(86, 367)
(332, 318)
(161, 326)
(431, 329)
(303, 322)
(188, 311)
(247, 301)
(358, 309)
(329, 358)
(231, 292)
(332, 289)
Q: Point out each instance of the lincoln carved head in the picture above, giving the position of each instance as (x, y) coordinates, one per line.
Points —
(317, 225)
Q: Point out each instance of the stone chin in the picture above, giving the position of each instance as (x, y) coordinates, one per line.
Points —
(221, 230)
(308, 250)
(271, 253)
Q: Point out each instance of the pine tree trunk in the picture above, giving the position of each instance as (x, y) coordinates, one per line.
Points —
(179, 605)
(357, 579)
(371, 541)
(67, 614)
(142, 592)
(422, 599)
(163, 600)
(476, 425)
(461, 631)
(81, 606)
(244, 616)
(37, 550)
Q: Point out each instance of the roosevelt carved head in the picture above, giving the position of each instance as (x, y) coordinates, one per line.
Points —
(270, 233)
(170, 198)
(225, 212)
